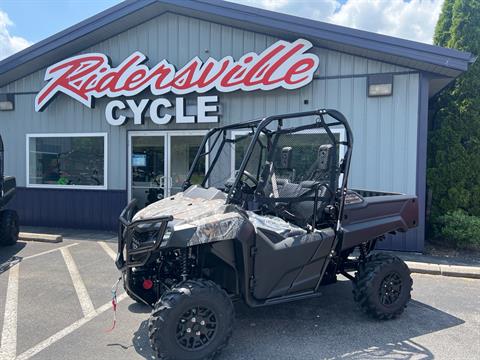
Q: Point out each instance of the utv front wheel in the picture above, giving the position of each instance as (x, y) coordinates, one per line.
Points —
(383, 286)
(8, 227)
(192, 321)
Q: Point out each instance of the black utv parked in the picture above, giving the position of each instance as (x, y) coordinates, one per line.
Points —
(8, 218)
(281, 227)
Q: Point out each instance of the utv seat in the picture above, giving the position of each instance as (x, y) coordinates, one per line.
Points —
(322, 179)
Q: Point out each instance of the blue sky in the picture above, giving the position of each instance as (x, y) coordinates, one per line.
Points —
(24, 22)
(55, 14)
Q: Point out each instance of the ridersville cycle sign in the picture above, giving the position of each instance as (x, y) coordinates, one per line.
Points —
(88, 76)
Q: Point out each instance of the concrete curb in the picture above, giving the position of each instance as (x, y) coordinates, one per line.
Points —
(472, 272)
(47, 238)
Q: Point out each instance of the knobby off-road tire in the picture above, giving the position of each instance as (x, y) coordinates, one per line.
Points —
(8, 227)
(383, 286)
(192, 321)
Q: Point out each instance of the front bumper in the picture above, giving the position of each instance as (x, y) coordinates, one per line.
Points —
(131, 253)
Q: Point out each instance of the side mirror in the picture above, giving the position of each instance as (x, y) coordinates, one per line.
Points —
(286, 158)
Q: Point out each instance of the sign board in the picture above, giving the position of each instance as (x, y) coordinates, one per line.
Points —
(87, 77)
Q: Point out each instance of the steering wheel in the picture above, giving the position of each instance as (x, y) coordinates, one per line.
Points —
(248, 183)
(250, 177)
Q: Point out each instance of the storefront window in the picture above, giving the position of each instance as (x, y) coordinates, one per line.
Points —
(67, 160)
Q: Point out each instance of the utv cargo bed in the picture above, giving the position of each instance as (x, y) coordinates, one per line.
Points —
(371, 214)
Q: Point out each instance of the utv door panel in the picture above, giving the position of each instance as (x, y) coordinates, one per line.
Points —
(294, 261)
(310, 273)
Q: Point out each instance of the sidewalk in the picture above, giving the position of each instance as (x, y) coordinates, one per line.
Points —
(440, 265)
(417, 262)
(72, 234)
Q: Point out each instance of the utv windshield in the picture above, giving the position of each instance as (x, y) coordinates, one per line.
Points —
(221, 149)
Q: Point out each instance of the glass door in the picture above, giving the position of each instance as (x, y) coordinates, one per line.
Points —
(182, 150)
(159, 162)
(147, 181)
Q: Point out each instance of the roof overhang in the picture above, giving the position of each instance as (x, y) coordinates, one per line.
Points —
(442, 63)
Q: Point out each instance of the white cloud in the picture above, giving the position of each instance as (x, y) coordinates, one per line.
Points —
(413, 20)
(313, 9)
(9, 44)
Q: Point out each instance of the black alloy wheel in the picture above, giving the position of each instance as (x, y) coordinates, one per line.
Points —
(196, 328)
(390, 289)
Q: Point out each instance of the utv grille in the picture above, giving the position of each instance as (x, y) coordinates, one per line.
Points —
(137, 240)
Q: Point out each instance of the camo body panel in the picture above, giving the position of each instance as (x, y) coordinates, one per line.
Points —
(216, 227)
(213, 219)
(183, 209)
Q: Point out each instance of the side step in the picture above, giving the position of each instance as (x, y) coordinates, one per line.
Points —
(292, 297)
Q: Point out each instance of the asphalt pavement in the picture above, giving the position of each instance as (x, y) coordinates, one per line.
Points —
(55, 304)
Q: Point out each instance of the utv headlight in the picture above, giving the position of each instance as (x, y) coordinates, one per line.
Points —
(166, 237)
(167, 234)
(147, 234)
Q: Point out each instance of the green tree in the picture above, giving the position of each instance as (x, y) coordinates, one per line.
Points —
(444, 23)
(454, 136)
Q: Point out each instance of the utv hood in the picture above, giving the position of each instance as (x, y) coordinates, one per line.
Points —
(199, 216)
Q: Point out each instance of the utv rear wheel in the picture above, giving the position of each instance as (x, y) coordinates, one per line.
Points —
(383, 286)
(8, 227)
(192, 321)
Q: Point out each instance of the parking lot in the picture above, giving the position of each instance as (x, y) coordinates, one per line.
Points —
(55, 304)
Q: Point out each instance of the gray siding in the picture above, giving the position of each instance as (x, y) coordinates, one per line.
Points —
(384, 162)
(385, 129)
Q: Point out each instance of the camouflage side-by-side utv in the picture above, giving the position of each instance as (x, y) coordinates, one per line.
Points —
(280, 227)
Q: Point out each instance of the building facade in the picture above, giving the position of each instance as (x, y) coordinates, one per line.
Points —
(78, 158)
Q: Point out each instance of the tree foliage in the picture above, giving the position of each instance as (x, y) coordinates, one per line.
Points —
(454, 136)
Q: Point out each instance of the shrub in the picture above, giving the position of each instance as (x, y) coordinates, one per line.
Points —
(459, 229)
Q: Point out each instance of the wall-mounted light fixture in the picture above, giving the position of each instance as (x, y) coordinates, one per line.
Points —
(7, 102)
(380, 85)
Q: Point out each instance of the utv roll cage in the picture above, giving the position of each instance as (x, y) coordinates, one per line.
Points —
(326, 119)
(215, 140)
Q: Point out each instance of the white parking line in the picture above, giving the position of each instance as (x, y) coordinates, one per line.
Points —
(82, 293)
(108, 250)
(48, 251)
(8, 344)
(68, 330)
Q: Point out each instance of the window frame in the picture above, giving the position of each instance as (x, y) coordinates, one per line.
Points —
(67, 135)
